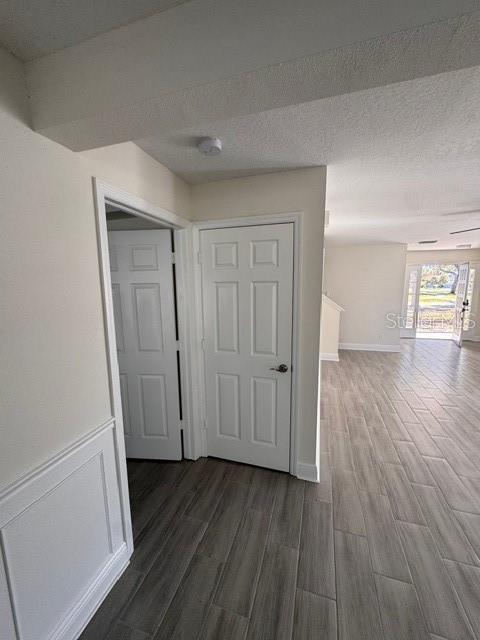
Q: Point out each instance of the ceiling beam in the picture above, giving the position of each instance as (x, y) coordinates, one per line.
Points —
(101, 93)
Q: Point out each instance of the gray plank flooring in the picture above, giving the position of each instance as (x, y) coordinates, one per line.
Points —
(387, 547)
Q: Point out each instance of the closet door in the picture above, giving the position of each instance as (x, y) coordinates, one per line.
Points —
(247, 280)
(144, 309)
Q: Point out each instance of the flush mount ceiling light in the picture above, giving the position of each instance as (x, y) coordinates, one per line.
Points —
(210, 146)
(427, 241)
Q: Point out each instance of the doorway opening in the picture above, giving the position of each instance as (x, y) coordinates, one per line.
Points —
(143, 262)
(437, 301)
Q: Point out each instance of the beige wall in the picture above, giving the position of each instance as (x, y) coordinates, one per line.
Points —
(53, 377)
(367, 281)
(290, 191)
(127, 166)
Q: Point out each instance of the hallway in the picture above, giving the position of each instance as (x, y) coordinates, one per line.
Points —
(387, 546)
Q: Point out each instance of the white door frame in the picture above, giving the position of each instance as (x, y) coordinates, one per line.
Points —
(108, 194)
(249, 221)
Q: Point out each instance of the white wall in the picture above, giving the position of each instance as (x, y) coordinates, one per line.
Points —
(290, 191)
(367, 281)
(53, 377)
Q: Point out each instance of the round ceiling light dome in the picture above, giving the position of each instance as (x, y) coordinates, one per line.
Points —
(210, 146)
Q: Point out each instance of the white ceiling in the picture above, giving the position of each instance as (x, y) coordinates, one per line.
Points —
(403, 160)
(34, 28)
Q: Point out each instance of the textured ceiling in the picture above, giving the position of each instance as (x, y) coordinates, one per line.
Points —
(34, 28)
(399, 157)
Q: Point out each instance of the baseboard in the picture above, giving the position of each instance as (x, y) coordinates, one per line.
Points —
(474, 339)
(333, 357)
(79, 617)
(62, 534)
(353, 346)
(307, 472)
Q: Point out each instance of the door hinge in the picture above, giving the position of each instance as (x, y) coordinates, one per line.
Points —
(200, 257)
(202, 343)
(174, 258)
(178, 345)
(205, 426)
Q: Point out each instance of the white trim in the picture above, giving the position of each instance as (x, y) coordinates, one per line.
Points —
(332, 303)
(353, 346)
(84, 610)
(35, 474)
(333, 357)
(275, 218)
(32, 498)
(309, 472)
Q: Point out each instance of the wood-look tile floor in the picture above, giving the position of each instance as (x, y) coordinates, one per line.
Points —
(387, 546)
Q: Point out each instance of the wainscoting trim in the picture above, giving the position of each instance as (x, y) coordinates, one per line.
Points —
(62, 540)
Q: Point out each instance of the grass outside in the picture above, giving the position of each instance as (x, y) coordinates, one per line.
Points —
(434, 298)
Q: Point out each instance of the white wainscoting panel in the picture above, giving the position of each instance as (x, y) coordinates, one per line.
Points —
(62, 542)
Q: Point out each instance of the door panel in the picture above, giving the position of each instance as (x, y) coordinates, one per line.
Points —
(460, 303)
(228, 406)
(264, 410)
(247, 280)
(264, 318)
(144, 310)
(226, 317)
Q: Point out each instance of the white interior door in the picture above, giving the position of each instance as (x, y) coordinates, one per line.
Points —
(144, 310)
(460, 303)
(247, 280)
(411, 298)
